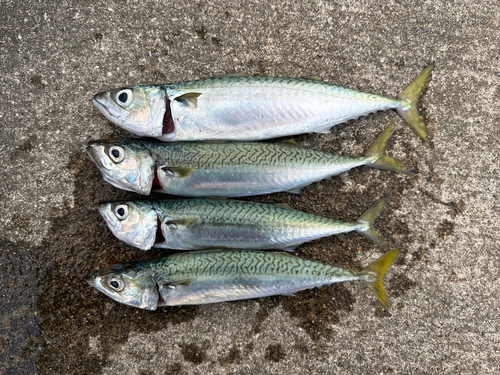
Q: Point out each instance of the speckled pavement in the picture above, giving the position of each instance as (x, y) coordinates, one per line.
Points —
(55, 55)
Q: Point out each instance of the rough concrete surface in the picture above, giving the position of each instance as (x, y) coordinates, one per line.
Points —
(55, 55)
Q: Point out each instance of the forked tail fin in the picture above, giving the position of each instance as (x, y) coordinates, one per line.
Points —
(409, 111)
(378, 147)
(369, 217)
(379, 268)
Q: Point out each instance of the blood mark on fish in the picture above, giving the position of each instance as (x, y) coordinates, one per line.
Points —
(168, 122)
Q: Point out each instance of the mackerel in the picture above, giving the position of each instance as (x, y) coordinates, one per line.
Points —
(250, 108)
(197, 278)
(227, 169)
(194, 224)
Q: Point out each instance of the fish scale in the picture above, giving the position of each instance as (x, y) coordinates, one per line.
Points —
(215, 276)
(203, 155)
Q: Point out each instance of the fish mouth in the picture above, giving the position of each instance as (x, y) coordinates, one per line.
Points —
(93, 155)
(101, 106)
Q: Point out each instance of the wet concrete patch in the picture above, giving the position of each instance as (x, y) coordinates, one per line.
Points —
(78, 243)
(196, 354)
(275, 353)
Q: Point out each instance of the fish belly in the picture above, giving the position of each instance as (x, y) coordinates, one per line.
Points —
(262, 113)
(239, 182)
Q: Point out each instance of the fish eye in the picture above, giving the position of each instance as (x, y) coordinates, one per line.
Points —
(116, 284)
(116, 154)
(124, 97)
(121, 211)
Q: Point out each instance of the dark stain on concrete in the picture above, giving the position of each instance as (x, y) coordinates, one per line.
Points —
(275, 353)
(173, 369)
(194, 353)
(233, 356)
(301, 346)
(202, 33)
(318, 309)
(77, 243)
(216, 41)
(399, 284)
(454, 208)
(446, 228)
(18, 221)
(38, 82)
(157, 75)
(26, 146)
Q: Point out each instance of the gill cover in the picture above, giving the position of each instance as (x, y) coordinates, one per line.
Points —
(135, 223)
(130, 288)
(124, 164)
(139, 110)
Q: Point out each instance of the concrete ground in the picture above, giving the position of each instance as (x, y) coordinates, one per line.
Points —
(55, 55)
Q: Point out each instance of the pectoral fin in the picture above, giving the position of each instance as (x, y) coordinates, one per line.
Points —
(178, 172)
(180, 223)
(185, 282)
(190, 99)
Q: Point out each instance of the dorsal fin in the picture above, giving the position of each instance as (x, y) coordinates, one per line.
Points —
(285, 206)
(232, 75)
(314, 78)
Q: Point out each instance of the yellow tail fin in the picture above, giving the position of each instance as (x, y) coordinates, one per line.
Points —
(378, 148)
(379, 268)
(411, 95)
(369, 217)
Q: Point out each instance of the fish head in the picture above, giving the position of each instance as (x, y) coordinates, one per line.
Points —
(139, 110)
(135, 223)
(128, 287)
(124, 164)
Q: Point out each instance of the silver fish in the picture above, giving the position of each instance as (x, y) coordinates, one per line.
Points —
(227, 169)
(197, 278)
(194, 224)
(249, 108)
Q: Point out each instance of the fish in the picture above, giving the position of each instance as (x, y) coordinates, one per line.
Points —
(203, 277)
(196, 224)
(250, 108)
(225, 169)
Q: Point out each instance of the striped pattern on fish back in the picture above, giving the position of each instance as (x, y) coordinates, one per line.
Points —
(227, 155)
(237, 213)
(302, 84)
(241, 263)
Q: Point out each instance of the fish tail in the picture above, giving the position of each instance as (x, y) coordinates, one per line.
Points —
(369, 217)
(379, 267)
(409, 111)
(378, 148)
